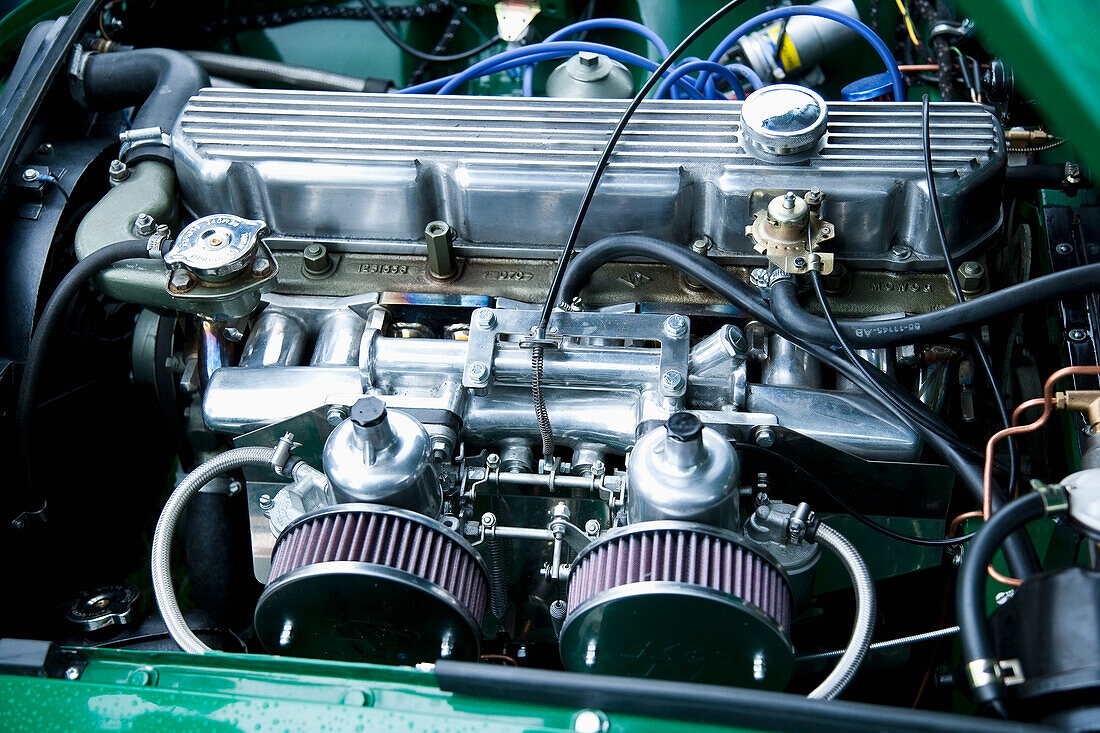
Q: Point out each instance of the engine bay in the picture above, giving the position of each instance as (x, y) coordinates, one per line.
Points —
(574, 353)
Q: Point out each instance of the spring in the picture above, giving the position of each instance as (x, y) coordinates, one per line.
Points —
(498, 577)
(541, 415)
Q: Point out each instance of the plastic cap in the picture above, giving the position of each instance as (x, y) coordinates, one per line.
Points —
(368, 412)
(684, 427)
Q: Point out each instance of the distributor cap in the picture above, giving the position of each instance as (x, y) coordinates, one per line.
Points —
(216, 248)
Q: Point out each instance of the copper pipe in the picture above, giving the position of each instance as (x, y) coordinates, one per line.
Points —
(1025, 406)
(916, 68)
(1048, 408)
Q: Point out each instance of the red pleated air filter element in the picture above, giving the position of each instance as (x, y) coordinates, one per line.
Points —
(681, 601)
(373, 583)
(688, 557)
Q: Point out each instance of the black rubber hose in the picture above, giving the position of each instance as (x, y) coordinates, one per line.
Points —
(210, 532)
(974, 633)
(936, 435)
(872, 334)
(156, 79)
(51, 318)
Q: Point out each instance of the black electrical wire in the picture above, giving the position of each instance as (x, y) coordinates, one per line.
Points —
(796, 468)
(440, 47)
(51, 317)
(744, 297)
(605, 159)
(958, 318)
(1022, 554)
(956, 286)
(320, 11)
(1018, 550)
(586, 201)
(417, 53)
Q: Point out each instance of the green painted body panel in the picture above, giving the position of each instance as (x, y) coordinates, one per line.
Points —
(163, 692)
(1051, 46)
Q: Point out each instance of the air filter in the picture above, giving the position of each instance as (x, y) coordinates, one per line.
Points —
(361, 582)
(679, 601)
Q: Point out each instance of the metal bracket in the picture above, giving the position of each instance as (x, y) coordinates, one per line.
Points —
(487, 326)
(514, 17)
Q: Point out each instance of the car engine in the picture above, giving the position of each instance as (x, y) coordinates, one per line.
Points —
(700, 374)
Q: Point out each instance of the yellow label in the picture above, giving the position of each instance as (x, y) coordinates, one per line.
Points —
(788, 54)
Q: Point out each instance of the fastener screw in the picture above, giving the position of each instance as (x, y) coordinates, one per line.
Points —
(1077, 334)
(484, 319)
(261, 266)
(799, 262)
(144, 224)
(181, 281)
(676, 326)
(788, 200)
(118, 172)
(337, 414)
(265, 502)
(478, 373)
(72, 673)
(901, 252)
(316, 260)
(672, 381)
(30, 175)
(764, 437)
(588, 59)
(1064, 248)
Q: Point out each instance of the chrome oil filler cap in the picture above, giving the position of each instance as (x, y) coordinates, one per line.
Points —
(783, 123)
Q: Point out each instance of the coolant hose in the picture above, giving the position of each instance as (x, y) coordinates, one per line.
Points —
(50, 319)
(166, 527)
(159, 80)
(244, 67)
(864, 626)
(880, 333)
(974, 633)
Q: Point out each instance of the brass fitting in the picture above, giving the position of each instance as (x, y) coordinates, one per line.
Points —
(1081, 400)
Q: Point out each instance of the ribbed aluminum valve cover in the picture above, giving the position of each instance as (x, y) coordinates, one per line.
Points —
(367, 172)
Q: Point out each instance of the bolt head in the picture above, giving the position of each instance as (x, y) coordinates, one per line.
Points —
(336, 414)
(181, 281)
(316, 260)
(672, 380)
(261, 266)
(799, 262)
(145, 225)
(72, 673)
(592, 527)
(788, 200)
(901, 252)
(764, 437)
(484, 319)
(30, 175)
(1077, 334)
(676, 326)
(265, 501)
(488, 519)
(1064, 248)
(478, 372)
(588, 59)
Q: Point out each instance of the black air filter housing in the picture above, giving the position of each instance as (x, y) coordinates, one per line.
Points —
(679, 601)
(369, 583)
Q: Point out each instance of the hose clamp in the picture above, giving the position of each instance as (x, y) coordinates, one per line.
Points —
(1055, 498)
(77, 62)
(281, 458)
(142, 137)
(986, 672)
